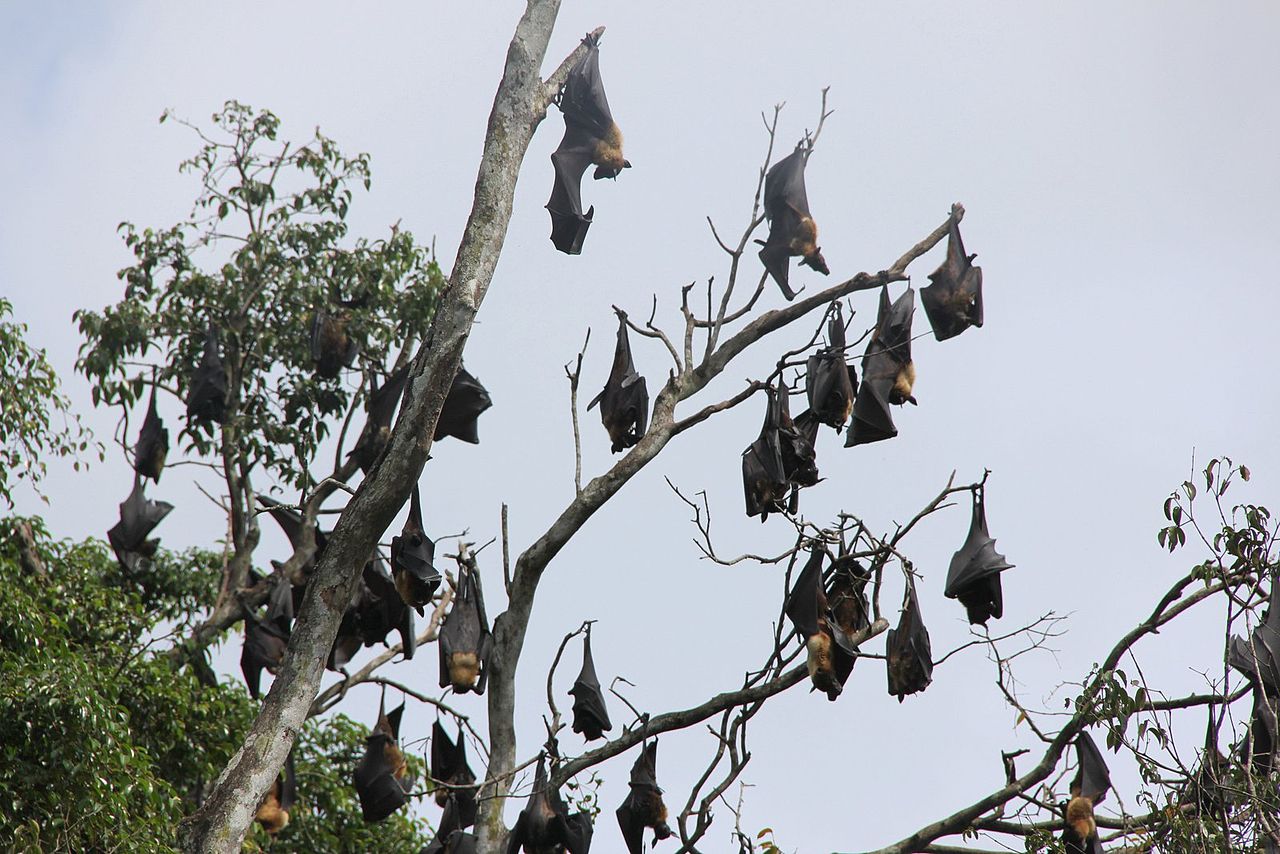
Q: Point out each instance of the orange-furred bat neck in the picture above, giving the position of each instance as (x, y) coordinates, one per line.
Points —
(395, 759)
(903, 384)
(1080, 817)
(805, 240)
(464, 670)
(272, 818)
(608, 154)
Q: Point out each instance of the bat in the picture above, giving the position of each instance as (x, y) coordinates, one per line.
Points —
(412, 556)
(909, 659)
(139, 516)
(294, 527)
(974, 575)
(590, 717)
(207, 385)
(1088, 789)
(348, 640)
(544, 826)
(953, 302)
(282, 602)
(453, 842)
(1258, 658)
(264, 647)
(153, 443)
(449, 766)
(643, 806)
(849, 611)
(1264, 734)
(829, 380)
(888, 374)
(462, 406)
(464, 635)
(273, 812)
(381, 610)
(382, 778)
(591, 137)
(624, 402)
(764, 476)
(381, 406)
(799, 461)
(332, 347)
(792, 231)
(807, 607)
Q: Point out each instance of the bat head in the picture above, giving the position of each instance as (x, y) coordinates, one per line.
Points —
(817, 262)
(610, 171)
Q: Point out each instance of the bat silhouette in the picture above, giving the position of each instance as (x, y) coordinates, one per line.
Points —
(792, 231)
(953, 302)
(264, 647)
(449, 766)
(207, 386)
(909, 658)
(624, 402)
(381, 406)
(273, 812)
(138, 517)
(462, 407)
(153, 443)
(382, 778)
(590, 717)
(974, 575)
(888, 374)
(544, 826)
(332, 347)
(829, 380)
(643, 806)
(1088, 788)
(464, 636)
(412, 556)
(807, 607)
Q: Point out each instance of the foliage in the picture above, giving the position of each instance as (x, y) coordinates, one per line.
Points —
(29, 400)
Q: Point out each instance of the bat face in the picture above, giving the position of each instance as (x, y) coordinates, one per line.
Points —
(974, 575)
(624, 402)
(464, 636)
(412, 560)
(264, 648)
(138, 517)
(207, 387)
(153, 444)
(953, 302)
(643, 806)
(829, 381)
(910, 660)
(332, 348)
(590, 137)
(792, 231)
(590, 717)
(462, 406)
(381, 407)
(381, 779)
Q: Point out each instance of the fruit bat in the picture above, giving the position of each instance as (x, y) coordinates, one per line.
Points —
(1258, 658)
(153, 443)
(412, 556)
(849, 611)
(464, 636)
(829, 380)
(139, 516)
(381, 406)
(454, 842)
(1088, 788)
(332, 347)
(449, 767)
(909, 659)
(764, 479)
(207, 386)
(1264, 734)
(792, 231)
(381, 610)
(273, 812)
(888, 374)
(807, 607)
(282, 602)
(624, 402)
(264, 647)
(291, 522)
(590, 137)
(544, 826)
(348, 640)
(382, 778)
(974, 575)
(462, 406)
(799, 461)
(590, 717)
(953, 302)
(643, 806)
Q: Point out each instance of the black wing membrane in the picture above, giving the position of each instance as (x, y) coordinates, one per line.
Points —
(381, 407)
(909, 658)
(974, 575)
(467, 398)
(624, 401)
(153, 443)
(764, 477)
(413, 560)
(465, 640)
(643, 807)
(792, 231)
(953, 302)
(139, 516)
(888, 373)
(207, 385)
(590, 716)
(829, 380)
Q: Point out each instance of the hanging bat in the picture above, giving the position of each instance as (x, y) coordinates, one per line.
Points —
(273, 812)
(1264, 734)
(293, 526)
(909, 658)
(207, 386)
(282, 602)
(449, 766)
(974, 575)
(1088, 789)
(590, 137)
(462, 406)
(412, 556)
(643, 806)
(953, 302)
(347, 642)
(383, 611)
(624, 402)
(1258, 658)
(453, 842)
(544, 826)
(764, 477)
(381, 406)
(799, 460)
(332, 347)
(382, 778)
(829, 380)
(264, 647)
(153, 443)
(464, 635)
(792, 231)
(888, 374)
(847, 600)
(138, 517)
(807, 607)
(590, 717)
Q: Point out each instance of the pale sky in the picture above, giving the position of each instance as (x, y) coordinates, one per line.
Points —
(1119, 168)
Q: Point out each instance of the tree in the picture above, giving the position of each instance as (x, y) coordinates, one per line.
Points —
(516, 110)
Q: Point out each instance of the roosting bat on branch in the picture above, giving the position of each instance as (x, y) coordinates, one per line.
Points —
(264, 646)
(383, 611)
(974, 575)
(779, 462)
(449, 766)
(273, 812)
(139, 516)
(544, 826)
(829, 663)
(462, 408)
(792, 231)
(377, 428)
(412, 556)
(382, 778)
(953, 302)
(590, 137)
(291, 522)
(643, 806)
(332, 347)
(909, 660)
(464, 635)
(153, 443)
(624, 401)
(207, 388)
(590, 717)
(829, 380)
(1088, 789)
(888, 374)
(1258, 657)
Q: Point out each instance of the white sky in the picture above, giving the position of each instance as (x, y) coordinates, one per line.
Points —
(1119, 169)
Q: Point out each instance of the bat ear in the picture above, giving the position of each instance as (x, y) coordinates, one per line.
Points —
(626, 164)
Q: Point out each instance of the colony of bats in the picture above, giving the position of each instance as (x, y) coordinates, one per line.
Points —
(826, 604)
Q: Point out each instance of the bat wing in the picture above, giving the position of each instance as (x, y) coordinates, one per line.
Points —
(1093, 779)
(568, 222)
(799, 460)
(872, 418)
(583, 100)
(631, 826)
(280, 610)
(953, 302)
(909, 657)
(578, 833)
(590, 716)
(467, 398)
(264, 647)
(776, 257)
(974, 574)
(784, 185)
(807, 603)
(624, 401)
(763, 479)
(153, 443)
(380, 792)
(207, 387)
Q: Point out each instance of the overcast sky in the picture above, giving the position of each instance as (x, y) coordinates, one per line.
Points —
(1119, 168)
